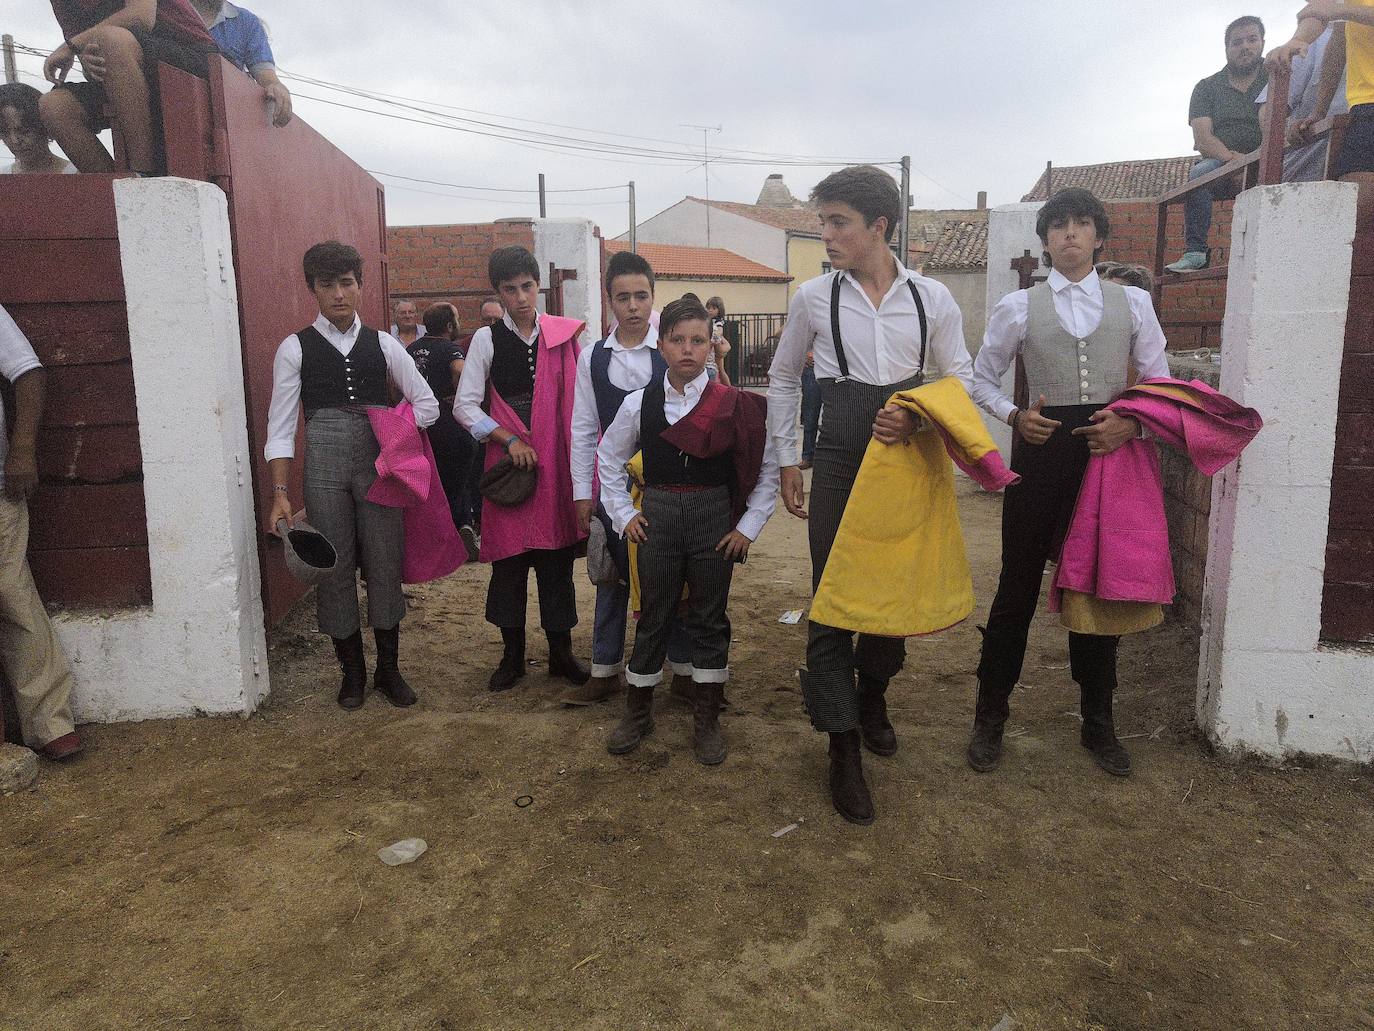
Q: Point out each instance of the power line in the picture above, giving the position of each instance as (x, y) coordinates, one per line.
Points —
(497, 189)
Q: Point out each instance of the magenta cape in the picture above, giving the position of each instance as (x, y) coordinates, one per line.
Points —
(432, 545)
(1117, 545)
(547, 520)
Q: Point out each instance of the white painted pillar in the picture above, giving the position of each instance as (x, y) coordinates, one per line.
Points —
(572, 243)
(1011, 232)
(1266, 683)
(201, 647)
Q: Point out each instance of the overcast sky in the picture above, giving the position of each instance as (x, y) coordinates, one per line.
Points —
(980, 96)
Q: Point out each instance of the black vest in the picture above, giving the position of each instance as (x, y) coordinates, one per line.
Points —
(330, 380)
(608, 396)
(665, 465)
(513, 364)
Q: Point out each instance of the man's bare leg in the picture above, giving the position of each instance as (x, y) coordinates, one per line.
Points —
(65, 120)
(127, 87)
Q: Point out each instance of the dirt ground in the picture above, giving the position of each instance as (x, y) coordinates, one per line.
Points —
(223, 873)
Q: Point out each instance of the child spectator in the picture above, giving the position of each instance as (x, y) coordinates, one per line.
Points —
(22, 131)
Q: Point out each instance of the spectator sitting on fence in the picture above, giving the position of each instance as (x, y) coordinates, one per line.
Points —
(1352, 51)
(1304, 160)
(120, 44)
(406, 328)
(22, 131)
(242, 39)
(1225, 126)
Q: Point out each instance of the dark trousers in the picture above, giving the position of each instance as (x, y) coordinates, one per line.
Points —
(553, 573)
(1035, 516)
(684, 529)
(453, 453)
(810, 413)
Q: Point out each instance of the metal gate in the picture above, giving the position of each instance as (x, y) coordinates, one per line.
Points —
(753, 341)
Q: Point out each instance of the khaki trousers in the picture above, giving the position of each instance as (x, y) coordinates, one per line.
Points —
(29, 652)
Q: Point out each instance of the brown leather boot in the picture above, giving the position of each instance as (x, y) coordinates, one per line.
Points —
(707, 741)
(596, 689)
(637, 723)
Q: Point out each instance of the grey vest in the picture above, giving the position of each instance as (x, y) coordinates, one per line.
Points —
(1073, 371)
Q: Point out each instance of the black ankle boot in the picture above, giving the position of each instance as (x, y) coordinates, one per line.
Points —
(878, 735)
(353, 686)
(1099, 730)
(707, 740)
(636, 724)
(562, 661)
(512, 666)
(990, 716)
(848, 790)
(387, 677)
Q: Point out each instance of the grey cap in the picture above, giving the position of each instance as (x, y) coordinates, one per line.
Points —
(310, 557)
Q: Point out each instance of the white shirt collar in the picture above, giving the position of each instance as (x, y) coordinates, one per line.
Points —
(1089, 284)
(693, 389)
(510, 325)
(650, 341)
(328, 328)
(903, 274)
(226, 10)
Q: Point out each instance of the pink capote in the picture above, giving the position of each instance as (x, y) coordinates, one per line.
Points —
(432, 545)
(1117, 545)
(547, 520)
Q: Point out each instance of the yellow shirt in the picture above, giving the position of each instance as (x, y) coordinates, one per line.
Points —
(1359, 58)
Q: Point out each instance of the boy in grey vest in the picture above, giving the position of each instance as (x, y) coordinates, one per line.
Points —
(1079, 337)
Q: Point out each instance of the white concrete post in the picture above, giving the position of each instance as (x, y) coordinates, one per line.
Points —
(1266, 683)
(1011, 232)
(201, 648)
(572, 243)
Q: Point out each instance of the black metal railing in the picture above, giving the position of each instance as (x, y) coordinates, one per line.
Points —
(753, 340)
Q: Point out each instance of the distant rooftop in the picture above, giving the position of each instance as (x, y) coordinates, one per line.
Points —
(1119, 180)
(670, 261)
(962, 247)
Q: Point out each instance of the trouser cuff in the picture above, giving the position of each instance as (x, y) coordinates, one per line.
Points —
(607, 669)
(643, 679)
(710, 676)
(831, 701)
(682, 669)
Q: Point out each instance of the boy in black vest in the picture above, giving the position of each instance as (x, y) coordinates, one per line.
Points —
(1079, 338)
(335, 369)
(607, 372)
(711, 481)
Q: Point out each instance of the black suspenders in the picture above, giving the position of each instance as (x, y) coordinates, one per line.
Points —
(835, 325)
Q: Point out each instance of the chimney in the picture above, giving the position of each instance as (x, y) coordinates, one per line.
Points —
(982, 200)
(775, 193)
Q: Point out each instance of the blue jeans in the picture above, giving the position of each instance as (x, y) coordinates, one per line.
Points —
(612, 606)
(810, 412)
(1197, 207)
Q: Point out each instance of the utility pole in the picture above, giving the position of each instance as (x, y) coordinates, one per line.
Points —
(543, 206)
(706, 130)
(11, 68)
(634, 249)
(904, 230)
(1049, 179)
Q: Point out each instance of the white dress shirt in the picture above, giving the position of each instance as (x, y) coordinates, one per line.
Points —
(1079, 307)
(882, 344)
(16, 358)
(286, 383)
(472, 385)
(630, 368)
(621, 441)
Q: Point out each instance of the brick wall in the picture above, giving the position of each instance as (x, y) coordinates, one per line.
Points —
(449, 263)
(1187, 504)
(1190, 313)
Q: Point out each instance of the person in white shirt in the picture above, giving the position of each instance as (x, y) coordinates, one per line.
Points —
(335, 369)
(1079, 338)
(873, 328)
(407, 328)
(29, 650)
(710, 484)
(625, 361)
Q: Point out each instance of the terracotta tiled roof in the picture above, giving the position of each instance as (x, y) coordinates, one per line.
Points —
(963, 246)
(793, 220)
(672, 262)
(1119, 180)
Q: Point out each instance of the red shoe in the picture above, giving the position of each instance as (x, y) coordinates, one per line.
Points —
(61, 748)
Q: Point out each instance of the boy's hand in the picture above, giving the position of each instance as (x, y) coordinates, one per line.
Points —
(21, 473)
(281, 509)
(735, 546)
(1034, 427)
(895, 425)
(1108, 431)
(58, 64)
(584, 514)
(93, 61)
(793, 491)
(522, 455)
(637, 529)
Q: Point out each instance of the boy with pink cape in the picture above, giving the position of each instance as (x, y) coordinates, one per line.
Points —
(516, 395)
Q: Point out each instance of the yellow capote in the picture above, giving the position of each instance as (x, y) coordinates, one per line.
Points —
(635, 467)
(898, 566)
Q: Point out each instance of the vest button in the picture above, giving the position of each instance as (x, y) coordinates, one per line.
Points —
(1082, 344)
(1083, 358)
(1085, 384)
(1084, 397)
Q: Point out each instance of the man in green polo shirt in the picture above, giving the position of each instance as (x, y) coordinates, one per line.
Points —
(1225, 126)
